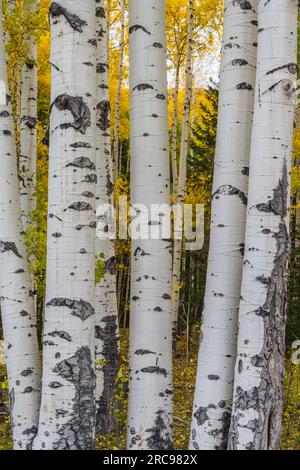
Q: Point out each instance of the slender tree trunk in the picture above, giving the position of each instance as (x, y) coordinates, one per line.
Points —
(181, 185)
(213, 396)
(116, 165)
(67, 415)
(17, 305)
(259, 375)
(175, 129)
(106, 319)
(150, 402)
(28, 135)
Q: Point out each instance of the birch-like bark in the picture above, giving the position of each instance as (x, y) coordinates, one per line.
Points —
(17, 303)
(28, 133)
(175, 129)
(217, 352)
(259, 373)
(150, 385)
(106, 318)
(116, 162)
(181, 184)
(67, 415)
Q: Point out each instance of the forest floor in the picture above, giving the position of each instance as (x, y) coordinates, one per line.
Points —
(185, 364)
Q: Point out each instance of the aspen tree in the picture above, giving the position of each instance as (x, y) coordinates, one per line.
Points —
(150, 355)
(67, 414)
(17, 303)
(181, 184)
(217, 352)
(28, 134)
(259, 372)
(106, 319)
(116, 162)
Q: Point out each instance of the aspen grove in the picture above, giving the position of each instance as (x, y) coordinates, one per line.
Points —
(149, 226)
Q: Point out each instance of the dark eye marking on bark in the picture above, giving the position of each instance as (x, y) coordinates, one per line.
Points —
(292, 68)
(61, 334)
(104, 109)
(201, 414)
(213, 377)
(90, 178)
(142, 352)
(143, 87)
(79, 110)
(244, 86)
(29, 121)
(101, 67)
(100, 12)
(9, 246)
(111, 265)
(160, 96)
(154, 370)
(80, 206)
(74, 21)
(78, 145)
(4, 114)
(27, 372)
(239, 62)
(228, 190)
(59, 412)
(6, 132)
(231, 45)
(79, 308)
(82, 162)
(108, 334)
(136, 27)
(278, 205)
(55, 385)
(244, 4)
(88, 194)
(159, 438)
(140, 252)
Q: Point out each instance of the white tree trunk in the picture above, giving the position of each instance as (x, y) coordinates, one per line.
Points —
(17, 303)
(175, 128)
(106, 319)
(116, 161)
(181, 184)
(217, 352)
(67, 413)
(150, 395)
(259, 374)
(28, 134)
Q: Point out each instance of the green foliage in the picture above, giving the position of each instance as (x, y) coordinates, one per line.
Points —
(100, 268)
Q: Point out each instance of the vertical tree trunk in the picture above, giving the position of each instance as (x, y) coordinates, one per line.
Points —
(106, 319)
(17, 306)
(217, 353)
(175, 129)
(150, 402)
(28, 120)
(259, 374)
(181, 185)
(116, 165)
(67, 413)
